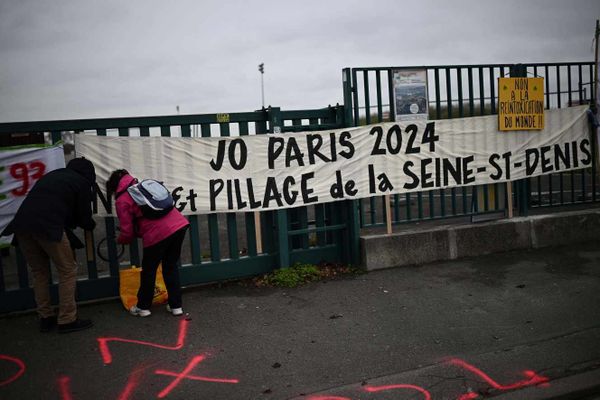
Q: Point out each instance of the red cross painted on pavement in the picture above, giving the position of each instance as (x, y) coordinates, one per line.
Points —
(185, 374)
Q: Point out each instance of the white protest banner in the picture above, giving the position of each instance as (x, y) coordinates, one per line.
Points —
(20, 168)
(265, 172)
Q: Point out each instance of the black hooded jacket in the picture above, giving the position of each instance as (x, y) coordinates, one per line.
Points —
(60, 200)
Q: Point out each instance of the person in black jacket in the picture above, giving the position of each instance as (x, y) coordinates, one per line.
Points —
(58, 202)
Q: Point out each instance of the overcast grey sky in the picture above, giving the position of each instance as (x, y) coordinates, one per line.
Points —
(108, 58)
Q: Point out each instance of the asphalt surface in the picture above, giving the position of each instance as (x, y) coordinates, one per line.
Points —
(519, 325)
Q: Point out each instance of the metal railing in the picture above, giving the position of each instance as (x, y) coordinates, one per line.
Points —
(457, 91)
(218, 246)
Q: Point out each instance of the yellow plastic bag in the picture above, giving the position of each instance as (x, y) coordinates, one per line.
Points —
(129, 283)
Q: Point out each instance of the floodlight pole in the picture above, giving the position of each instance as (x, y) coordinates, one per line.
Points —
(261, 68)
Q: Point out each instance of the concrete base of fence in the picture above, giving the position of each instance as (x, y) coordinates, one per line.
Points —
(413, 246)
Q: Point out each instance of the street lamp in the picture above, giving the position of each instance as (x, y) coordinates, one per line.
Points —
(261, 68)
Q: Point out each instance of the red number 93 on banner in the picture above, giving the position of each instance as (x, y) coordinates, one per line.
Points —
(26, 174)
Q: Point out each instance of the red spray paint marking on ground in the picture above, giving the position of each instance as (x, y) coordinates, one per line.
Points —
(375, 389)
(132, 383)
(107, 356)
(468, 396)
(185, 375)
(18, 374)
(533, 378)
(327, 398)
(64, 387)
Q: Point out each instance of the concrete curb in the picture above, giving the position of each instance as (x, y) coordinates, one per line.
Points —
(580, 386)
(448, 243)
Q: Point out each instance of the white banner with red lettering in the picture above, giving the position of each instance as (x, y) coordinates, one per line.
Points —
(20, 168)
(265, 172)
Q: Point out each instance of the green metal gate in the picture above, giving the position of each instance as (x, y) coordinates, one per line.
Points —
(218, 246)
(457, 91)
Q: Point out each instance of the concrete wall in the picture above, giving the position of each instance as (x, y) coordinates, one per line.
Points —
(410, 247)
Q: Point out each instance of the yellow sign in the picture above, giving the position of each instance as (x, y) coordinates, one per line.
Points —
(520, 104)
(222, 118)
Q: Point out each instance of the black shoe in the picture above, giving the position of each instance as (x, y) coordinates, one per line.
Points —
(47, 324)
(77, 325)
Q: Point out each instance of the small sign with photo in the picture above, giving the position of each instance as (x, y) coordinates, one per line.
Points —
(410, 95)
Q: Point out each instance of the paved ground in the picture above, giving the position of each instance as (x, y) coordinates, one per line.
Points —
(520, 325)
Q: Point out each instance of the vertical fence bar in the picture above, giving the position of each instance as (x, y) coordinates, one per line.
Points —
(379, 105)
(367, 97)
(134, 251)
(213, 220)
(391, 95)
(471, 94)
(320, 223)
(431, 204)
(232, 237)
(481, 93)
(438, 103)
(195, 248)
(355, 96)
(547, 84)
(250, 218)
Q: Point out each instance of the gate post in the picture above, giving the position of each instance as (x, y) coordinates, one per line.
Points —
(351, 206)
(281, 216)
(519, 70)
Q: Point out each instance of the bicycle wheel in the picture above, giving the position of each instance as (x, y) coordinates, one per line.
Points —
(102, 250)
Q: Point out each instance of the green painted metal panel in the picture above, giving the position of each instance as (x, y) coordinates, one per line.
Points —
(227, 269)
(232, 236)
(282, 238)
(251, 234)
(314, 255)
(353, 231)
(56, 136)
(195, 244)
(111, 244)
(442, 193)
(185, 130)
(213, 232)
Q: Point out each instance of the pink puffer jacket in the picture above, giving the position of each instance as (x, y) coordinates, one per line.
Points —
(132, 221)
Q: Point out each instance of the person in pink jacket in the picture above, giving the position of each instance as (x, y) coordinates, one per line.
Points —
(162, 239)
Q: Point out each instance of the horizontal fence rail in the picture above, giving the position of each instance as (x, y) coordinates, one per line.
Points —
(457, 91)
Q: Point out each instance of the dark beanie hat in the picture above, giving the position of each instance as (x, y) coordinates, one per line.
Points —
(83, 167)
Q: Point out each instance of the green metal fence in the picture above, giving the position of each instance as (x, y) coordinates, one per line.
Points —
(457, 91)
(224, 246)
(218, 246)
